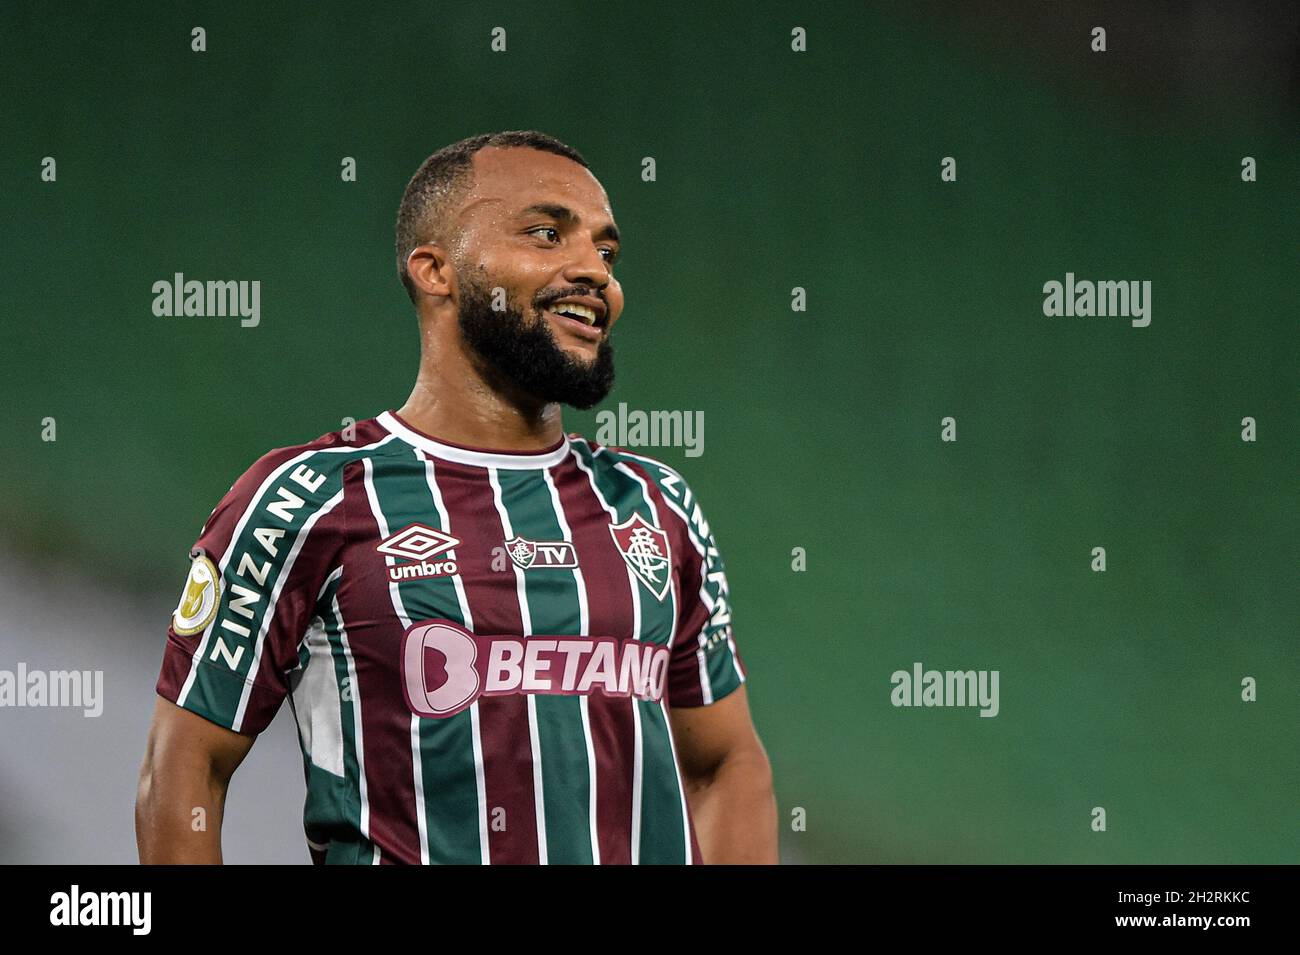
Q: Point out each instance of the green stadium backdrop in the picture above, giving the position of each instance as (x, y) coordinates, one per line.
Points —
(774, 170)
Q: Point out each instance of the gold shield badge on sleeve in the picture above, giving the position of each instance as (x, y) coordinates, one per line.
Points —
(199, 599)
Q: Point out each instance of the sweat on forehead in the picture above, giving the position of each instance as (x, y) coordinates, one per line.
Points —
(521, 182)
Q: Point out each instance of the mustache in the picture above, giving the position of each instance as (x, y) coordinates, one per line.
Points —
(574, 292)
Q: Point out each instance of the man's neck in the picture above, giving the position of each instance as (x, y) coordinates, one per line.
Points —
(454, 402)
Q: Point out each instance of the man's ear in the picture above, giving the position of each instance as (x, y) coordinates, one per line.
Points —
(429, 268)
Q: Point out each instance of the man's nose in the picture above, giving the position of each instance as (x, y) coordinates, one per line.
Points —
(590, 265)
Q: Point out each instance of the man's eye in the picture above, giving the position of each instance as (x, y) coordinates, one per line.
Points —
(611, 255)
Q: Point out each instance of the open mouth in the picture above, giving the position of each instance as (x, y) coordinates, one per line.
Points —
(584, 317)
(588, 316)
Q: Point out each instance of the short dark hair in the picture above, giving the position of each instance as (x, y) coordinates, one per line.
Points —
(424, 214)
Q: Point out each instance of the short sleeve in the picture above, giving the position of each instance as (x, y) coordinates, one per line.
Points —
(255, 575)
(705, 665)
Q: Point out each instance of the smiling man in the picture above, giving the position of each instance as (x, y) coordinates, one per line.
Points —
(501, 644)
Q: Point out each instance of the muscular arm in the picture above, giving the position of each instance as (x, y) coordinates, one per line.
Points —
(188, 762)
(728, 781)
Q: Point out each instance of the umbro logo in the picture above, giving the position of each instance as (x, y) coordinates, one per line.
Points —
(418, 543)
(526, 553)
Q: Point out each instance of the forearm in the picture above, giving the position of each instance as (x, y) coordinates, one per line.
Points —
(178, 818)
(734, 809)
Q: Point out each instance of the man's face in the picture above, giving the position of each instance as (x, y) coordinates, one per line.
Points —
(538, 228)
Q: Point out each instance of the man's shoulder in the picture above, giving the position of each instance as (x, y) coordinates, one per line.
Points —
(291, 488)
(326, 455)
(612, 456)
(665, 478)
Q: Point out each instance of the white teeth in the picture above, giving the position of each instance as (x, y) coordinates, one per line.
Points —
(573, 310)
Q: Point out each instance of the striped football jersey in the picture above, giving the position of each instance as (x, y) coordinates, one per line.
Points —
(480, 648)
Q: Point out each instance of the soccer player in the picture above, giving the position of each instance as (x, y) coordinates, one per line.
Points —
(501, 644)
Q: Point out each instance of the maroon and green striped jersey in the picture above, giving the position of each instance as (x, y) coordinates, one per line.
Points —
(480, 648)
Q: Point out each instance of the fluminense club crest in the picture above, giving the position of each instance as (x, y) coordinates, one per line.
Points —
(646, 550)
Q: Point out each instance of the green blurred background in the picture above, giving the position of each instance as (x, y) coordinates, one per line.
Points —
(775, 169)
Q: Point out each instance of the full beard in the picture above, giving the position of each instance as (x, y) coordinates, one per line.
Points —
(524, 354)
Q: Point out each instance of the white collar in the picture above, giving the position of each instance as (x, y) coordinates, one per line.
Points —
(517, 460)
